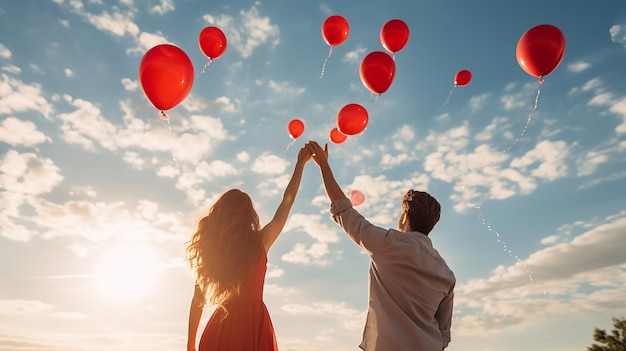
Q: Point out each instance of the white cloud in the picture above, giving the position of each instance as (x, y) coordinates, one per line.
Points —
(619, 108)
(616, 105)
(248, 34)
(68, 73)
(99, 221)
(550, 156)
(27, 173)
(618, 34)
(587, 271)
(14, 131)
(313, 225)
(163, 7)
(129, 84)
(147, 41)
(491, 129)
(269, 164)
(350, 318)
(27, 307)
(243, 156)
(284, 88)
(11, 69)
(355, 56)
(300, 254)
(514, 101)
(117, 23)
(5, 53)
(16, 97)
(578, 66)
(590, 162)
(86, 125)
(476, 103)
(204, 172)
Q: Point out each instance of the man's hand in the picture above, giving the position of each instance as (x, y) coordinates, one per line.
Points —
(320, 156)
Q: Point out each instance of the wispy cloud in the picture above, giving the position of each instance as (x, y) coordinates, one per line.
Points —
(248, 32)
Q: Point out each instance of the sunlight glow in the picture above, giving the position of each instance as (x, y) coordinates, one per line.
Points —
(127, 273)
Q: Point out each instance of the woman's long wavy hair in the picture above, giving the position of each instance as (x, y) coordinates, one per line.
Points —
(222, 250)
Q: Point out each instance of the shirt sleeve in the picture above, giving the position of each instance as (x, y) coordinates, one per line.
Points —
(368, 236)
(444, 316)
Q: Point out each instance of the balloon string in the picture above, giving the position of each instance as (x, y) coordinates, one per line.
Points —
(330, 52)
(530, 115)
(169, 135)
(293, 140)
(448, 99)
(178, 171)
(505, 246)
(374, 97)
(206, 65)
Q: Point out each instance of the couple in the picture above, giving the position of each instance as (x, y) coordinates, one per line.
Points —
(411, 288)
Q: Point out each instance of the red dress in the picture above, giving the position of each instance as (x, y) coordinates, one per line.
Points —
(247, 325)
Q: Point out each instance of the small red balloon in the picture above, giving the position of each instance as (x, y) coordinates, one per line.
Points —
(462, 78)
(295, 128)
(356, 197)
(335, 30)
(337, 137)
(377, 71)
(212, 42)
(352, 119)
(540, 50)
(166, 75)
(394, 35)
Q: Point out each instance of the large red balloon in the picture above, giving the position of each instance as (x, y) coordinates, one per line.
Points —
(212, 42)
(335, 30)
(394, 35)
(336, 136)
(462, 78)
(540, 50)
(377, 71)
(356, 197)
(295, 128)
(352, 119)
(166, 75)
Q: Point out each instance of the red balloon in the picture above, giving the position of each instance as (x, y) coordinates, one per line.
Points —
(356, 197)
(295, 128)
(352, 119)
(337, 137)
(166, 75)
(394, 35)
(335, 30)
(212, 42)
(377, 71)
(540, 50)
(462, 78)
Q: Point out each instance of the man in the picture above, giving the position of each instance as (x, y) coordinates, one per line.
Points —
(411, 288)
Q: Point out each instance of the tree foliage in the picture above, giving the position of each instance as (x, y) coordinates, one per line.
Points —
(613, 341)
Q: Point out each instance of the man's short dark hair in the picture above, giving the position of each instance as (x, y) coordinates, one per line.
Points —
(423, 210)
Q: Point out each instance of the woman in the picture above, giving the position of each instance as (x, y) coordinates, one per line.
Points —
(228, 254)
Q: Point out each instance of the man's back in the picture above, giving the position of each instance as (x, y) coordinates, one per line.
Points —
(410, 286)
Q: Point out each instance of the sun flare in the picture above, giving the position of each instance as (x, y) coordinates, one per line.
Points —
(126, 273)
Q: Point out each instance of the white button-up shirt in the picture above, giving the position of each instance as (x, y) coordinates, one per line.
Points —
(411, 288)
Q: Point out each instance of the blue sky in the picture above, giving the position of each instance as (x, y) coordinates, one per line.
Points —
(95, 213)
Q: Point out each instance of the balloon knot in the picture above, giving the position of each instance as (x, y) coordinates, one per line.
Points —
(163, 115)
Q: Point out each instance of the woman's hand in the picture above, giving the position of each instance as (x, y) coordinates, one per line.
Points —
(304, 155)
